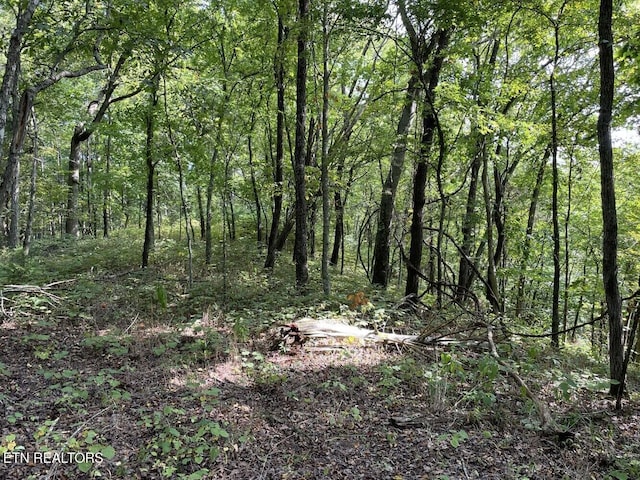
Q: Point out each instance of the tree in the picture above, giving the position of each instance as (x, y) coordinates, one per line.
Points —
(278, 171)
(299, 159)
(151, 163)
(50, 73)
(82, 132)
(326, 212)
(609, 212)
(429, 81)
(11, 68)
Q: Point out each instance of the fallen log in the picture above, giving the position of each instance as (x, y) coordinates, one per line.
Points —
(305, 328)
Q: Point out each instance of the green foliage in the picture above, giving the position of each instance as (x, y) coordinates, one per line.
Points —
(265, 375)
(112, 344)
(454, 438)
(85, 441)
(161, 298)
(180, 446)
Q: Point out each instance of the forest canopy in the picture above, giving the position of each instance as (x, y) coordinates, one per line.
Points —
(450, 147)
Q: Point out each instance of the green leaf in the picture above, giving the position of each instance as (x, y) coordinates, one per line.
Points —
(108, 452)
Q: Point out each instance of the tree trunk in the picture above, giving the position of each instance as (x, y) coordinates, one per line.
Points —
(339, 206)
(526, 247)
(555, 301)
(28, 229)
(491, 285)
(14, 227)
(9, 189)
(208, 233)
(183, 200)
(256, 196)
(465, 270)
(149, 233)
(106, 196)
(609, 212)
(567, 257)
(12, 65)
(278, 170)
(381, 268)
(201, 213)
(80, 134)
(429, 125)
(300, 247)
(324, 163)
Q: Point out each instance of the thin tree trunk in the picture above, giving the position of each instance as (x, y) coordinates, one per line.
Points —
(339, 206)
(208, 242)
(278, 170)
(324, 163)
(555, 301)
(381, 267)
(201, 213)
(609, 212)
(300, 247)
(14, 226)
(567, 271)
(491, 286)
(28, 230)
(149, 232)
(106, 196)
(183, 200)
(429, 125)
(256, 196)
(466, 271)
(526, 247)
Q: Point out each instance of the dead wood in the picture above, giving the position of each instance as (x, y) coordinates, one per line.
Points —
(323, 328)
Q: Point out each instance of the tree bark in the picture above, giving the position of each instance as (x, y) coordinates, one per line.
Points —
(106, 196)
(81, 134)
(12, 65)
(429, 125)
(28, 229)
(555, 301)
(300, 247)
(73, 180)
(256, 195)
(465, 270)
(609, 212)
(201, 213)
(278, 170)
(9, 189)
(149, 233)
(324, 163)
(491, 286)
(381, 267)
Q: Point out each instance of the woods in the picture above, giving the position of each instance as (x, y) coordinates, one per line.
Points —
(469, 162)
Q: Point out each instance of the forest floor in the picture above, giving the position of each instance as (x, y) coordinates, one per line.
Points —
(121, 373)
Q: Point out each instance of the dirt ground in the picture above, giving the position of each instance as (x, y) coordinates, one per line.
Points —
(160, 405)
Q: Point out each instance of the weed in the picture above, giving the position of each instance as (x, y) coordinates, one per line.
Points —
(181, 445)
(454, 438)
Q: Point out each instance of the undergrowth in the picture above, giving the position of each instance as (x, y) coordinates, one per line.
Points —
(104, 328)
